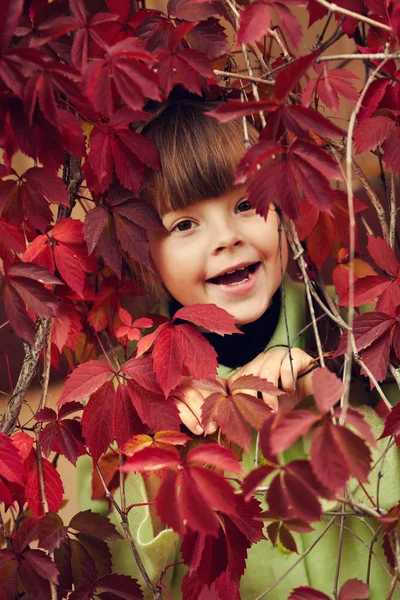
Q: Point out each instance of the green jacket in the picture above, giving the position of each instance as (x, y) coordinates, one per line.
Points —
(266, 564)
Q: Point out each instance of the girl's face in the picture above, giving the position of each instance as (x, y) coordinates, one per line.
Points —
(219, 251)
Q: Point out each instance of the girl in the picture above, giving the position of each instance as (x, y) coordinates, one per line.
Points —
(216, 249)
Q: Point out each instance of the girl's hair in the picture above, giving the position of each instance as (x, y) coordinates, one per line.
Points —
(198, 156)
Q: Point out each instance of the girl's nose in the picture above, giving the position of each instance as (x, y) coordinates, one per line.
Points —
(225, 236)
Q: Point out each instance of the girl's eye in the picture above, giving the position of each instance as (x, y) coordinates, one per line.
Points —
(244, 205)
(183, 225)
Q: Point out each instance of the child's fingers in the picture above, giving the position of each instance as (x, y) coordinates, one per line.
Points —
(189, 402)
(300, 361)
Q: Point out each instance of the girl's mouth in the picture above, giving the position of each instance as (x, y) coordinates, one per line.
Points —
(236, 277)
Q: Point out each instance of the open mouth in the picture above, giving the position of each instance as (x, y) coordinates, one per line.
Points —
(235, 277)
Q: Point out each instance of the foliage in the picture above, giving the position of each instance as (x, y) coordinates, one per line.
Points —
(73, 80)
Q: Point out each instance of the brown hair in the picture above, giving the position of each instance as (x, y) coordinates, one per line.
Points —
(198, 156)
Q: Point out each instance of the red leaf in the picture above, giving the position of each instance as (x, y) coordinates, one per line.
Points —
(152, 458)
(158, 412)
(26, 534)
(289, 428)
(17, 315)
(8, 573)
(98, 420)
(42, 564)
(254, 479)
(392, 424)
(354, 589)
(383, 255)
(209, 316)
(327, 460)
(95, 222)
(192, 10)
(229, 419)
(215, 490)
(290, 76)
(10, 12)
(126, 420)
(390, 150)
(254, 22)
(376, 358)
(302, 498)
(167, 360)
(358, 422)
(301, 119)
(367, 329)
(251, 382)
(233, 109)
(19, 271)
(307, 593)
(142, 372)
(370, 133)
(199, 357)
(215, 455)
(167, 505)
(327, 389)
(372, 98)
(119, 586)
(53, 488)
(70, 268)
(51, 531)
(95, 525)
(176, 438)
(84, 380)
(10, 461)
(194, 510)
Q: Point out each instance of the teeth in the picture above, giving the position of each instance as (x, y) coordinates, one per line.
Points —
(234, 270)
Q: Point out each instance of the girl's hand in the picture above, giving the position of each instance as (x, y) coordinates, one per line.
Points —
(189, 401)
(274, 365)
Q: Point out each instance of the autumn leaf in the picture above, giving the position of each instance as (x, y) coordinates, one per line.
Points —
(10, 460)
(61, 434)
(337, 454)
(329, 84)
(125, 69)
(85, 380)
(53, 487)
(354, 589)
(307, 593)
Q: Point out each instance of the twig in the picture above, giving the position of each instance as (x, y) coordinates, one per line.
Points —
(360, 507)
(245, 77)
(354, 534)
(45, 505)
(373, 379)
(8, 322)
(393, 210)
(37, 430)
(308, 293)
(32, 355)
(349, 13)
(351, 346)
(298, 561)
(370, 553)
(358, 56)
(320, 37)
(380, 211)
(393, 584)
(340, 550)
(46, 366)
(157, 594)
(274, 33)
(395, 371)
(283, 295)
